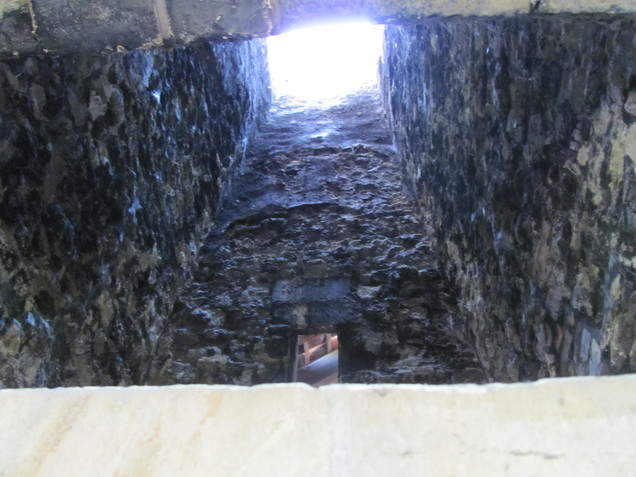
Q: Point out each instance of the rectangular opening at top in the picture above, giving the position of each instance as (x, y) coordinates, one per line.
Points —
(321, 65)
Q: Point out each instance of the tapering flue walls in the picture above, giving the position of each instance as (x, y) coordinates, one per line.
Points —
(518, 138)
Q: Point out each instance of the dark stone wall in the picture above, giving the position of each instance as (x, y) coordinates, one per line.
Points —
(518, 139)
(317, 234)
(111, 170)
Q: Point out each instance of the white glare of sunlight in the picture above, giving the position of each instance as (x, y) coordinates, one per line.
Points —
(322, 65)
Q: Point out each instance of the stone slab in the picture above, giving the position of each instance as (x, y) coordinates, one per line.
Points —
(576, 426)
(579, 6)
(16, 28)
(316, 317)
(311, 289)
(194, 20)
(299, 12)
(93, 25)
(313, 304)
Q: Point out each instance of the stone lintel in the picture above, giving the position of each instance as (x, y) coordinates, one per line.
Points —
(314, 304)
(572, 426)
(95, 25)
(219, 19)
(60, 26)
(586, 6)
(294, 12)
(299, 12)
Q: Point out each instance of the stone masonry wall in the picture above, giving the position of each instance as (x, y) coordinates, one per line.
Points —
(518, 138)
(111, 169)
(317, 234)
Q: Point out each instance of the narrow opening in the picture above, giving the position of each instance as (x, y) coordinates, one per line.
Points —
(320, 66)
(317, 359)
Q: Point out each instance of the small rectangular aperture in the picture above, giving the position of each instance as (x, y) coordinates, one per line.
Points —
(317, 359)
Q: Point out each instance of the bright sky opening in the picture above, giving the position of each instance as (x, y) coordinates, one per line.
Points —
(320, 66)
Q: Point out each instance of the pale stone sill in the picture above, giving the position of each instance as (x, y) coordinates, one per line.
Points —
(573, 426)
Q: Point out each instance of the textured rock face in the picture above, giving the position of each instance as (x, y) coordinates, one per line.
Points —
(317, 235)
(518, 137)
(111, 169)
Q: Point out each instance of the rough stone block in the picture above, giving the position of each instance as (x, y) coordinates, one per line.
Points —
(314, 304)
(311, 290)
(178, 430)
(578, 6)
(16, 28)
(196, 20)
(85, 25)
(399, 9)
(550, 427)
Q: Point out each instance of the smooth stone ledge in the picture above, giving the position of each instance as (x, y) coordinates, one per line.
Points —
(566, 427)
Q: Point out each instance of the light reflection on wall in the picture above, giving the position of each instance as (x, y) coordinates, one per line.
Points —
(320, 66)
